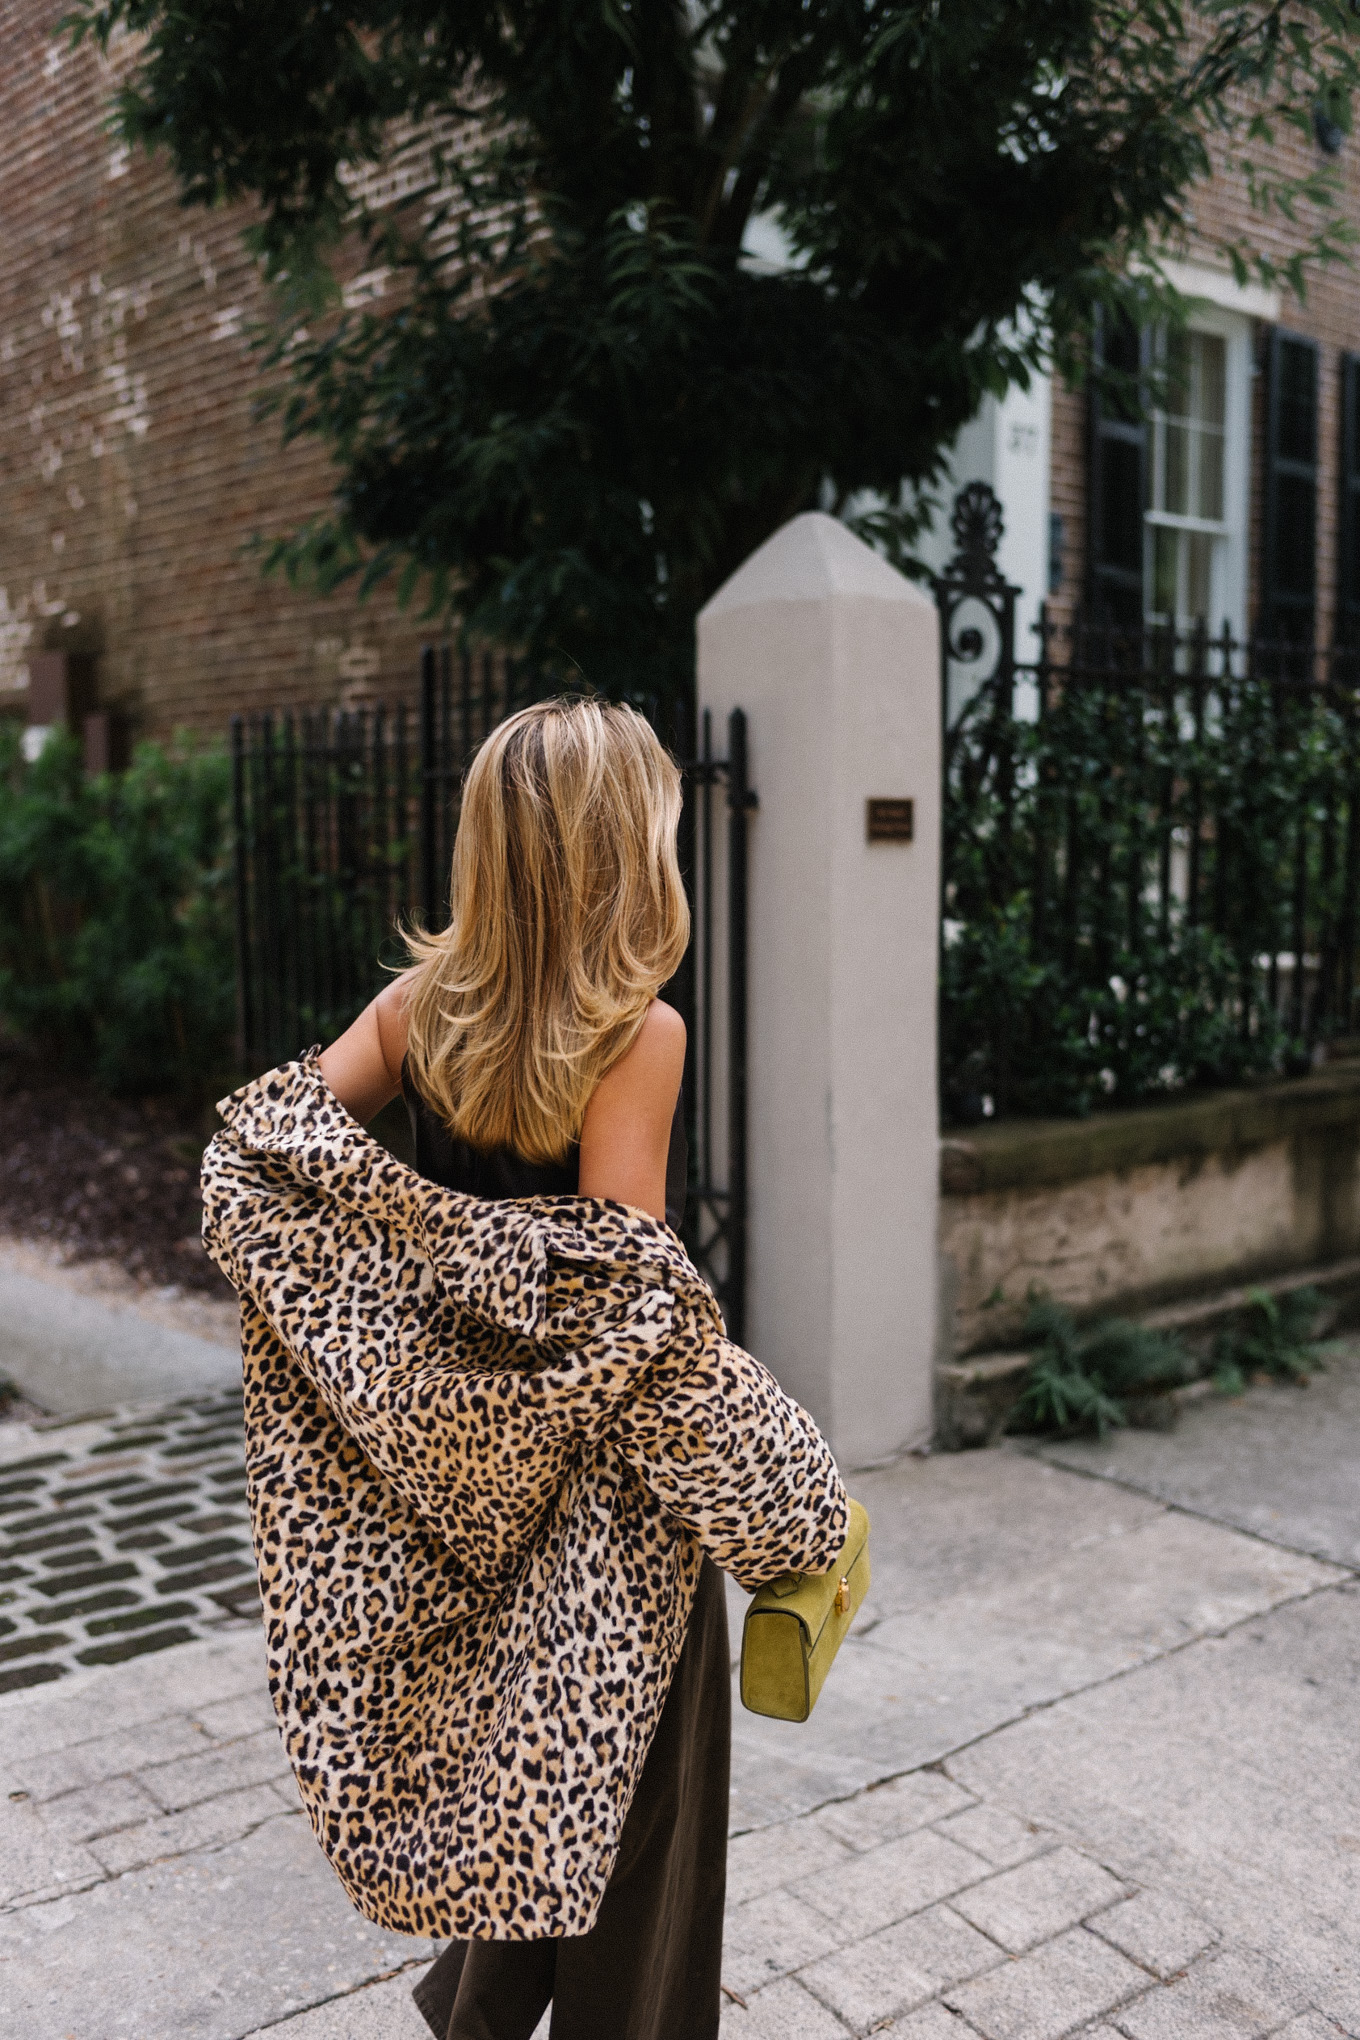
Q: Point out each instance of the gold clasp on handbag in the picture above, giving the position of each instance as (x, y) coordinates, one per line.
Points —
(843, 1596)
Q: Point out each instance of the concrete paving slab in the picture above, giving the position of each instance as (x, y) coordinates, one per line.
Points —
(1038, 1899)
(1156, 1930)
(935, 2022)
(208, 1947)
(36, 1861)
(956, 1521)
(783, 2012)
(1050, 1992)
(886, 1884)
(96, 1707)
(1082, 1592)
(72, 1353)
(1221, 1777)
(998, 1837)
(381, 2011)
(1278, 1461)
(893, 1971)
(1236, 1997)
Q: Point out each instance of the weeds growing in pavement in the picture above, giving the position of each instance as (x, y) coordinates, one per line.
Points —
(1084, 1378)
(1273, 1337)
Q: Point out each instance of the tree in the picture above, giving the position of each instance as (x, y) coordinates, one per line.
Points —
(582, 399)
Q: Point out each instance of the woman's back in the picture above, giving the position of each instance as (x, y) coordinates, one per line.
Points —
(441, 1157)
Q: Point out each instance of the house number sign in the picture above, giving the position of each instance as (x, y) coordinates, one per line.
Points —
(889, 821)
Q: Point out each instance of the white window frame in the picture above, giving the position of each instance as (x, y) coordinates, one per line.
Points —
(1228, 572)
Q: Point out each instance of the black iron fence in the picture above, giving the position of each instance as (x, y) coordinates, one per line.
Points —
(716, 1014)
(343, 827)
(343, 824)
(1151, 852)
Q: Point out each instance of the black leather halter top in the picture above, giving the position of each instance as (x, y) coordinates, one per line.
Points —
(499, 1172)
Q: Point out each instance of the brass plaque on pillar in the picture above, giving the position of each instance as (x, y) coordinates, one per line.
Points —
(889, 821)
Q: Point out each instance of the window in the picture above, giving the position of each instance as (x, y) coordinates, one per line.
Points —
(1168, 493)
(1186, 519)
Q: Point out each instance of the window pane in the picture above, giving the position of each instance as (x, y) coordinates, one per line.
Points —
(1164, 551)
(1199, 559)
(1176, 469)
(1209, 492)
(1209, 355)
(1209, 378)
(1189, 477)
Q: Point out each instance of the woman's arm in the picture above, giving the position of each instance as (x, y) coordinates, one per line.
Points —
(626, 1133)
(363, 1067)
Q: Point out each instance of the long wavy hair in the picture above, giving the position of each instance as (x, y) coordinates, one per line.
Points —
(568, 915)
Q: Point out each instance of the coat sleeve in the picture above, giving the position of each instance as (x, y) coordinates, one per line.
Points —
(734, 1458)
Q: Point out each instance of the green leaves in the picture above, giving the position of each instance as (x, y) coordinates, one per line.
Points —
(1273, 1337)
(724, 262)
(1084, 1380)
(1119, 873)
(115, 914)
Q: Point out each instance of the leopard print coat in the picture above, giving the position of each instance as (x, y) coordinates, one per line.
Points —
(488, 1444)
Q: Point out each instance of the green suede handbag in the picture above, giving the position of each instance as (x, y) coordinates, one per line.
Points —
(794, 1628)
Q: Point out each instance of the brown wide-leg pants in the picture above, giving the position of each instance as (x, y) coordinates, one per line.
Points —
(650, 1967)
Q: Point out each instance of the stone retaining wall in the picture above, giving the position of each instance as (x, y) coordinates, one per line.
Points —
(1128, 1210)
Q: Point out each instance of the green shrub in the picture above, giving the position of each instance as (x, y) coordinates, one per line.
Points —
(1084, 1380)
(1127, 878)
(1038, 1036)
(116, 914)
(1274, 1337)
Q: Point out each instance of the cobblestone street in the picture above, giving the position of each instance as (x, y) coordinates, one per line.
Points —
(1075, 1775)
(124, 1535)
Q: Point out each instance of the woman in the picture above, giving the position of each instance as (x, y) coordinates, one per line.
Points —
(537, 1060)
(498, 1444)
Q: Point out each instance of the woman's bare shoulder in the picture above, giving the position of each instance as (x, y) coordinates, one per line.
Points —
(657, 1054)
(648, 1075)
(663, 1030)
(390, 1007)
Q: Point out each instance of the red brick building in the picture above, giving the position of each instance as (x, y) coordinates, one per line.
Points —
(135, 477)
(137, 482)
(1238, 503)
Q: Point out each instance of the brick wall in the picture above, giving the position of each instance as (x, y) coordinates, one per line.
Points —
(1331, 315)
(134, 476)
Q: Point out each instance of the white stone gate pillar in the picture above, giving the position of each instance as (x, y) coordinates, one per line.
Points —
(835, 658)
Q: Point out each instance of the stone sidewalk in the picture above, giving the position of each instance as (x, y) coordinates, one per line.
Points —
(1086, 1766)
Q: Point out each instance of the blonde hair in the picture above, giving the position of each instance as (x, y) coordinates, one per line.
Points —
(568, 915)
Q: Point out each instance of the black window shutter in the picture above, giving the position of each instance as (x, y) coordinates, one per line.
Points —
(1348, 519)
(1289, 535)
(1117, 476)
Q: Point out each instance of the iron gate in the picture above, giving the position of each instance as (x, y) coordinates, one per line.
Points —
(344, 823)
